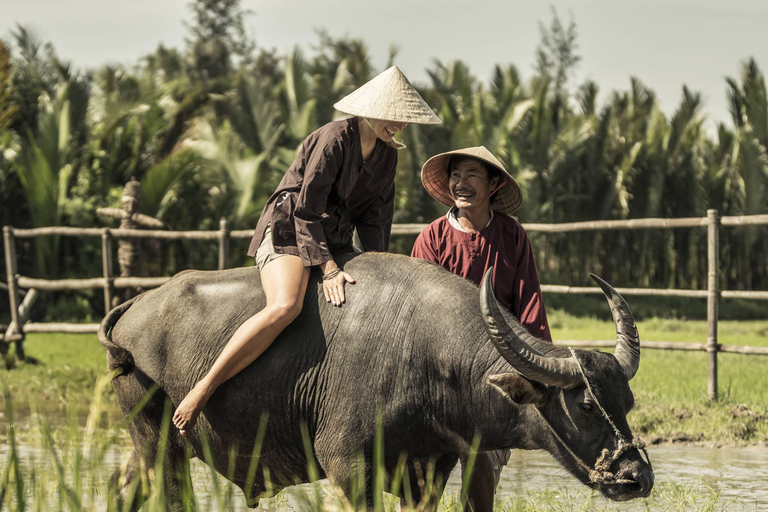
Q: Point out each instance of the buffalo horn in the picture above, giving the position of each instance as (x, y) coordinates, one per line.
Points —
(627, 340)
(522, 353)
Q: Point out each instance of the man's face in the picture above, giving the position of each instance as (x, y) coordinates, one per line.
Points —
(469, 185)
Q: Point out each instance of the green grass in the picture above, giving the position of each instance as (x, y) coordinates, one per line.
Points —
(62, 370)
(670, 387)
(67, 469)
(670, 390)
(646, 307)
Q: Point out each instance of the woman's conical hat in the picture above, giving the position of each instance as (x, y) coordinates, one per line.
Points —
(390, 97)
(434, 176)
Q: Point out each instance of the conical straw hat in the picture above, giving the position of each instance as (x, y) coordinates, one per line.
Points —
(434, 176)
(388, 96)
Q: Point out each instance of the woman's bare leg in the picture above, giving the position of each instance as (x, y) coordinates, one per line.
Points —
(284, 281)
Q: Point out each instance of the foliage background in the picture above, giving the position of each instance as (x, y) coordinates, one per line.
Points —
(210, 128)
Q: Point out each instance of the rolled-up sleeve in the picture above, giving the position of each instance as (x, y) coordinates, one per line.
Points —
(321, 170)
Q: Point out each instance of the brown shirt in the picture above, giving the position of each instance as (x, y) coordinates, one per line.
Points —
(502, 244)
(327, 192)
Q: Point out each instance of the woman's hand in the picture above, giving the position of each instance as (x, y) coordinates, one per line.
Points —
(333, 283)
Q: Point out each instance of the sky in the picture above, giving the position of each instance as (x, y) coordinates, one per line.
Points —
(664, 43)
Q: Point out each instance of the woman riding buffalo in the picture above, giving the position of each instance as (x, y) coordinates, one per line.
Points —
(342, 179)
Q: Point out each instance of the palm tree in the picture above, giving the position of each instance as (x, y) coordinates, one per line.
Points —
(242, 154)
(44, 168)
(747, 169)
(9, 197)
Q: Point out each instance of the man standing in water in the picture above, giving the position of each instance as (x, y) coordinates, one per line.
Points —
(477, 233)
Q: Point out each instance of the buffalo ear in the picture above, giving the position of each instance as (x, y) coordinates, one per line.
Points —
(517, 388)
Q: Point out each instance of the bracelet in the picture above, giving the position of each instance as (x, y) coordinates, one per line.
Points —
(330, 275)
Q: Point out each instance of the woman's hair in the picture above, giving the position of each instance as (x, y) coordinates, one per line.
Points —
(490, 170)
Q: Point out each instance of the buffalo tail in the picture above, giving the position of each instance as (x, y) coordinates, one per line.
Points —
(119, 358)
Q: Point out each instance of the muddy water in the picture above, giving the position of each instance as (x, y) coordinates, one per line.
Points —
(739, 474)
(684, 474)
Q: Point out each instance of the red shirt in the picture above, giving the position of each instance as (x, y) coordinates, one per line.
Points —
(504, 245)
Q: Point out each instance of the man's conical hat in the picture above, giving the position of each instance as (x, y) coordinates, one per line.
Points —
(434, 176)
(388, 96)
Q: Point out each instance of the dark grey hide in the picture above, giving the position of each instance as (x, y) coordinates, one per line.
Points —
(412, 340)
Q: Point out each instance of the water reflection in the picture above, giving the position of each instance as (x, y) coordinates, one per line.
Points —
(740, 475)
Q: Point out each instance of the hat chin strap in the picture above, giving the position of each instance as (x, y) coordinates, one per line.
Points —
(500, 186)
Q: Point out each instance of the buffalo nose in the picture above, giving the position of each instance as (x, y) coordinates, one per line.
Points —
(642, 481)
(645, 478)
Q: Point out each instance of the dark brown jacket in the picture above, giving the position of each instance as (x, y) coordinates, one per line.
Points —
(328, 191)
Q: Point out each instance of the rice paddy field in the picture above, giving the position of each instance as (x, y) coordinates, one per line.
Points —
(62, 435)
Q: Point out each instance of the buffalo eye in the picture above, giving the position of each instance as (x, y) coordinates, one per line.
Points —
(587, 408)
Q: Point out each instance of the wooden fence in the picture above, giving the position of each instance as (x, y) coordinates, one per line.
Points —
(108, 282)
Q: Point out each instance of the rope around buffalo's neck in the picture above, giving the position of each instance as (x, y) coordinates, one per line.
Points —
(601, 473)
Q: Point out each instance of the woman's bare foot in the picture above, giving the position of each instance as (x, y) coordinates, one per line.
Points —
(189, 409)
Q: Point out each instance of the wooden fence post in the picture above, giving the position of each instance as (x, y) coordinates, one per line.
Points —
(11, 269)
(223, 244)
(106, 263)
(713, 296)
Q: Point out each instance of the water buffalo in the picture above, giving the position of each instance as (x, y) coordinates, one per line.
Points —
(414, 346)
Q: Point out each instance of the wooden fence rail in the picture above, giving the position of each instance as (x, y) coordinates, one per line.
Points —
(713, 222)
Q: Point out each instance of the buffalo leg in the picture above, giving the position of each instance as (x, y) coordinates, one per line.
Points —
(157, 447)
(257, 489)
(346, 469)
(125, 486)
(426, 480)
(350, 476)
(484, 480)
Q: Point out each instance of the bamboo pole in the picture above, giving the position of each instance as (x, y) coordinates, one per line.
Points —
(411, 229)
(11, 270)
(713, 270)
(91, 283)
(754, 295)
(690, 222)
(107, 268)
(117, 233)
(61, 284)
(223, 244)
(25, 309)
(654, 345)
(68, 328)
(408, 229)
(744, 220)
(26, 305)
(667, 345)
(15, 331)
(140, 282)
(56, 230)
(153, 282)
(165, 235)
(661, 292)
(747, 350)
